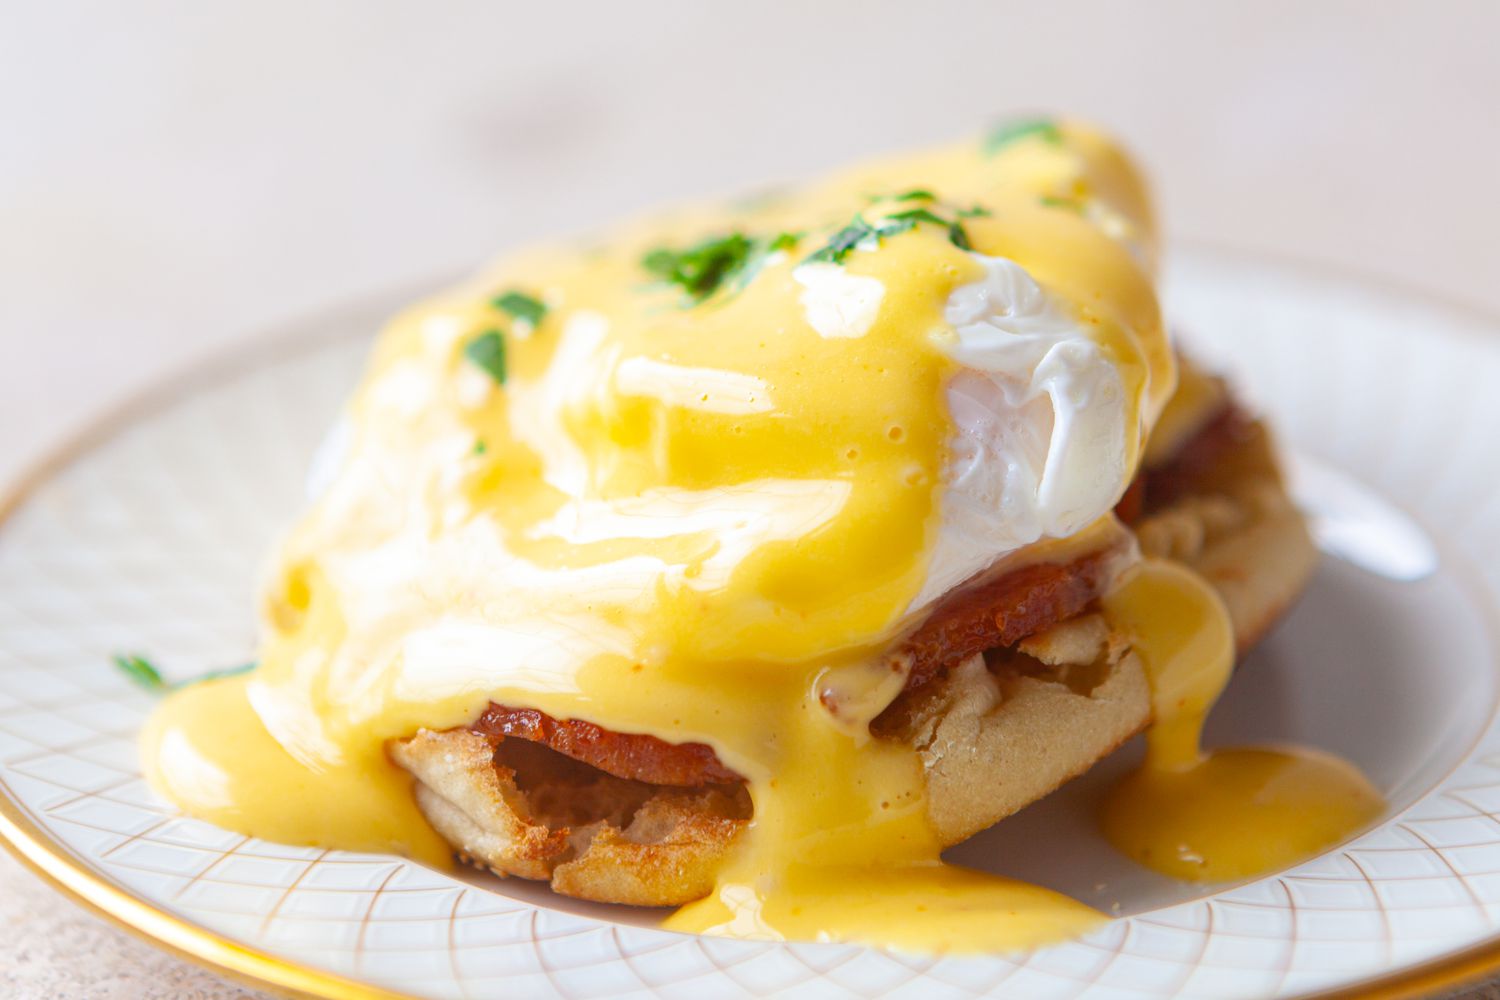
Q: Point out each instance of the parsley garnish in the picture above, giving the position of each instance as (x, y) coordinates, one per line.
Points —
(141, 670)
(1005, 133)
(974, 212)
(480, 447)
(488, 352)
(703, 268)
(863, 234)
(521, 306)
(1066, 204)
(784, 241)
(910, 194)
(916, 215)
(843, 241)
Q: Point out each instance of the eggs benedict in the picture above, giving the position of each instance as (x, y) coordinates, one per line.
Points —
(742, 558)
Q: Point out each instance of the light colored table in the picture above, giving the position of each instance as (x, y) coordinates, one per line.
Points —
(177, 176)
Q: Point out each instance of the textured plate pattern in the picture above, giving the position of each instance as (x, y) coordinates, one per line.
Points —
(149, 542)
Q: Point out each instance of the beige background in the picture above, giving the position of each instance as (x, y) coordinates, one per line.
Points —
(175, 177)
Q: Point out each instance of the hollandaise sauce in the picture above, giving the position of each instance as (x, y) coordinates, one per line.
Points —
(1223, 814)
(686, 478)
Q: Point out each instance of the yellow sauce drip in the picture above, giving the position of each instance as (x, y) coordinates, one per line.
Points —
(1227, 813)
(198, 748)
(929, 907)
(842, 850)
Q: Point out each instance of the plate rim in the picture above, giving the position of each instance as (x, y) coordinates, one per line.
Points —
(56, 865)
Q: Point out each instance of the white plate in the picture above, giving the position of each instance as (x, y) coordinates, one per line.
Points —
(148, 537)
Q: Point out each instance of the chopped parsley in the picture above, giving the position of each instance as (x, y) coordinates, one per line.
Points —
(521, 306)
(911, 194)
(916, 215)
(974, 212)
(862, 234)
(1066, 204)
(480, 447)
(144, 673)
(700, 269)
(846, 239)
(705, 267)
(784, 241)
(140, 670)
(488, 352)
(1007, 133)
